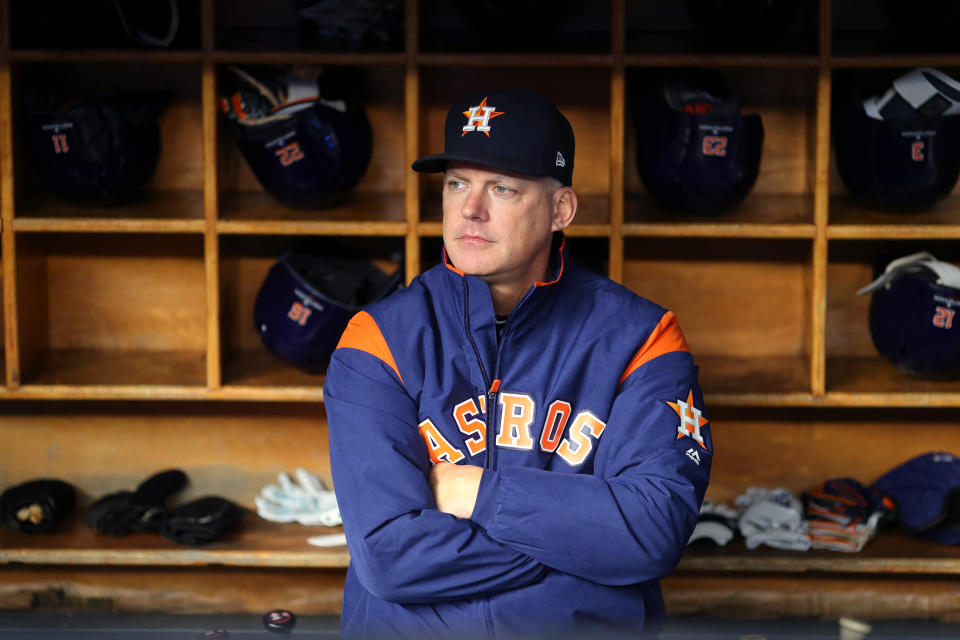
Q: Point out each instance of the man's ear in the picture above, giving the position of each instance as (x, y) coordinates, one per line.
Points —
(564, 208)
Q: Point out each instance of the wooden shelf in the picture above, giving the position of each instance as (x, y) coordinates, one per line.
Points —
(900, 61)
(300, 56)
(257, 543)
(514, 60)
(363, 214)
(96, 55)
(872, 381)
(852, 220)
(59, 370)
(758, 216)
(261, 375)
(891, 552)
(722, 60)
(733, 381)
(155, 212)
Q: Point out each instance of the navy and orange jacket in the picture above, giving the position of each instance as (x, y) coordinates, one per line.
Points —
(588, 421)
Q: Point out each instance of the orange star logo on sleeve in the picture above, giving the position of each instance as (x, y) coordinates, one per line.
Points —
(691, 419)
(478, 118)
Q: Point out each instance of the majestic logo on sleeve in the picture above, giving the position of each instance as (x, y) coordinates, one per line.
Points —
(478, 118)
(691, 419)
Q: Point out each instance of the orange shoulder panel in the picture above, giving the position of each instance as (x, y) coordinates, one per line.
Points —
(665, 338)
(363, 333)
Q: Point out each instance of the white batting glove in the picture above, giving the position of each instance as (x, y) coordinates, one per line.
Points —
(306, 501)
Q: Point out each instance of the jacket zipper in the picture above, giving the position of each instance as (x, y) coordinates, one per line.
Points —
(491, 388)
(491, 399)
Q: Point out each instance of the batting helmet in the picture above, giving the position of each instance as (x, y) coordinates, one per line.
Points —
(912, 315)
(98, 152)
(695, 151)
(306, 300)
(306, 152)
(901, 149)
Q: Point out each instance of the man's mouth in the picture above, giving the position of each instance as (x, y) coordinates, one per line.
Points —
(469, 237)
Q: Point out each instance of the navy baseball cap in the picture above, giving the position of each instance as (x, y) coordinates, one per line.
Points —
(927, 492)
(510, 129)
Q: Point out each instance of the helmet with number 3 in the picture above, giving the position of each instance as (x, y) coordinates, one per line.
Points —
(913, 313)
(305, 151)
(900, 149)
(307, 299)
(695, 151)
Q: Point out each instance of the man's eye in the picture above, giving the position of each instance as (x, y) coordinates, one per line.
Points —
(454, 184)
(501, 190)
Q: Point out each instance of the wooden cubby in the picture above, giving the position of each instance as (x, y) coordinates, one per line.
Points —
(129, 344)
(771, 280)
(111, 310)
(248, 367)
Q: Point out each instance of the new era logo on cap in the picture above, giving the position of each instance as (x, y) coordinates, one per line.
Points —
(522, 132)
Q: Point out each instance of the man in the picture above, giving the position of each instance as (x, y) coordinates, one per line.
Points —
(518, 446)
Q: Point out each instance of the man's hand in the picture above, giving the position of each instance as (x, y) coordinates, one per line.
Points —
(455, 487)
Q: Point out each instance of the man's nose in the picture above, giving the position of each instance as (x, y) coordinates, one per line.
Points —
(474, 206)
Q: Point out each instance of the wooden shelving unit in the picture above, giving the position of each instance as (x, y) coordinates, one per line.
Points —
(128, 338)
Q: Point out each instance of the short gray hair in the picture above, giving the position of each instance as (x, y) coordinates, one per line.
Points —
(552, 183)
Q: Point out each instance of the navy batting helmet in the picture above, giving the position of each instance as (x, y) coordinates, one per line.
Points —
(695, 151)
(98, 152)
(306, 300)
(912, 315)
(901, 149)
(306, 151)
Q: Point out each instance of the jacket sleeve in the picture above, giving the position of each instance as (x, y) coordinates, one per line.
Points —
(402, 548)
(628, 521)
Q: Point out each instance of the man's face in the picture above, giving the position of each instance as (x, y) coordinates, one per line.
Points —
(496, 224)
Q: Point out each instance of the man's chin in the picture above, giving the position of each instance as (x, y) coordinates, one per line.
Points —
(471, 262)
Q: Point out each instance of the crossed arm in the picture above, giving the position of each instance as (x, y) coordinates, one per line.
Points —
(447, 531)
(455, 487)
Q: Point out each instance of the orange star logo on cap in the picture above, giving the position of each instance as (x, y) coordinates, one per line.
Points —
(478, 118)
